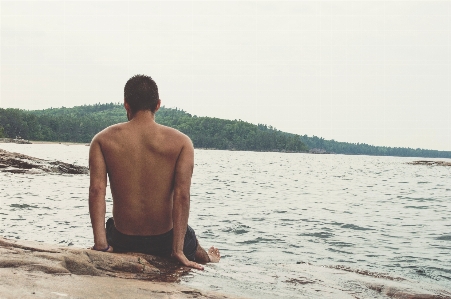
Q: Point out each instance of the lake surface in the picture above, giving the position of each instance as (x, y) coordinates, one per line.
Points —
(267, 212)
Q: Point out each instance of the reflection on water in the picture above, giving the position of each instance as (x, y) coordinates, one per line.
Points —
(266, 211)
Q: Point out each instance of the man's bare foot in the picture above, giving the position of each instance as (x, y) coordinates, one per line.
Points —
(214, 255)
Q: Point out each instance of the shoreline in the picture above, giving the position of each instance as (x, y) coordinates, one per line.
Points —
(58, 142)
(11, 140)
(37, 270)
(282, 152)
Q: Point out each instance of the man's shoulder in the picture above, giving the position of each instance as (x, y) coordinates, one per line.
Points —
(174, 134)
(109, 131)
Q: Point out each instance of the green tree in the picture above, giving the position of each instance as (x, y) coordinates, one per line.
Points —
(2, 132)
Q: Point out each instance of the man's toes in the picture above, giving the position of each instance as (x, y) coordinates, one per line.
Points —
(214, 254)
(216, 251)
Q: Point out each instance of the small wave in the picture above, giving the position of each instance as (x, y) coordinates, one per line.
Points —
(355, 227)
(322, 235)
(309, 220)
(287, 220)
(444, 238)
(416, 207)
(22, 206)
(341, 244)
(238, 230)
(336, 223)
(259, 240)
(339, 251)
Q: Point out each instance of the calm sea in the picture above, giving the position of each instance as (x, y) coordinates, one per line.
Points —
(268, 212)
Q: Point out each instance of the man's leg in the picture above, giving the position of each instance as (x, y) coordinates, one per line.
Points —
(203, 257)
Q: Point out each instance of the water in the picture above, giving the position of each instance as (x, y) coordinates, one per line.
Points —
(267, 212)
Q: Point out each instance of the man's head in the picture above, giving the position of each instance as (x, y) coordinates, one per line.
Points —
(141, 93)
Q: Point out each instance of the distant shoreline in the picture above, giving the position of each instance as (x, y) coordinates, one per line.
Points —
(284, 152)
(59, 142)
(12, 140)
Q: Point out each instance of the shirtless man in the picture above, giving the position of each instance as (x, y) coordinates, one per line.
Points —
(149, 167)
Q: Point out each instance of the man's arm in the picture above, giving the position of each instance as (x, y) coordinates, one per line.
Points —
(97, 187)
(181, 202)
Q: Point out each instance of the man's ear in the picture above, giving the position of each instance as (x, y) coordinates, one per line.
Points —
(127, 108)
(158, 105)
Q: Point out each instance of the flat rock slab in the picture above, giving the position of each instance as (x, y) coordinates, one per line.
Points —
(25, 284)
(34, 270)
(19, 163)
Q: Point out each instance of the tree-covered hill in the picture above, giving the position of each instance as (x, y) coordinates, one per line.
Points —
(81, 123)
(337, 147)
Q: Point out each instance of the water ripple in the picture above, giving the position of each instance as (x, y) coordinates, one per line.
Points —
(266, 211)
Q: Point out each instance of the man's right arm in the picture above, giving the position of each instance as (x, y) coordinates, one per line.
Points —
(181, 202)
(97, 186)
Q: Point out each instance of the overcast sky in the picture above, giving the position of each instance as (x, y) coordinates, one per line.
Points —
(375, 72)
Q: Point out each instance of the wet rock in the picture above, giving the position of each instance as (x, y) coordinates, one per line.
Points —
(367, 273)
(19, 163)
(33, 270)
(344, 282)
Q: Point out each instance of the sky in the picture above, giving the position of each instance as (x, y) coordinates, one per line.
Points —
(375, 72)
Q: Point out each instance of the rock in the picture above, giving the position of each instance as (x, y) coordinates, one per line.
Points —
(345, 282)
(319, 151)
(430, 163)
(19, 163)
(15, 140)
(33, 270)
(68, 260)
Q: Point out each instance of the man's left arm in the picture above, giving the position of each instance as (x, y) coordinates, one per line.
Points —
(97, 191)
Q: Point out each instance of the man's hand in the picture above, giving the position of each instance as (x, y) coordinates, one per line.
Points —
(106, 249)
(180, 256)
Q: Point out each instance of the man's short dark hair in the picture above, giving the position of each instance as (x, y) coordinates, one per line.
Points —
(141, 93)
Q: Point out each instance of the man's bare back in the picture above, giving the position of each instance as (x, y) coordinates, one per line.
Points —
(141, 156)
(149, 167)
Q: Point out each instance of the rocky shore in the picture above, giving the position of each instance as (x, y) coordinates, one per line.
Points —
(34, 270)
(19, 163)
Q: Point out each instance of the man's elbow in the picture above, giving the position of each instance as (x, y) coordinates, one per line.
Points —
(96, 191)
(181, 197)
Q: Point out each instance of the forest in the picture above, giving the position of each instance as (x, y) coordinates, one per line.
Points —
(81, 123)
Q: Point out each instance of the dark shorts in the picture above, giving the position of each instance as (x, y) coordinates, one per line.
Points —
(160, 245)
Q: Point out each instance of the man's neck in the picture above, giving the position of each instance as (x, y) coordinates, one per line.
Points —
(142, 116)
